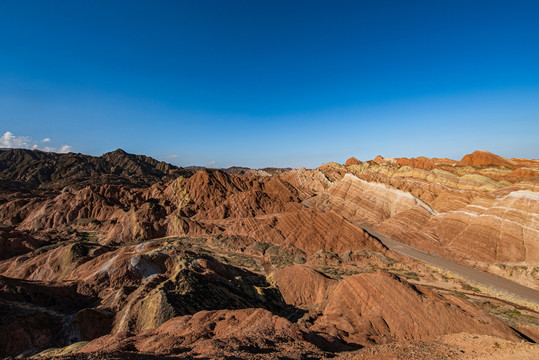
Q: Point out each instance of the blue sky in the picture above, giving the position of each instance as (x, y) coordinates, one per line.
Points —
(271, 83)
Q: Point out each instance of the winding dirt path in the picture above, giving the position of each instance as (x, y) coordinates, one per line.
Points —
(492, 281)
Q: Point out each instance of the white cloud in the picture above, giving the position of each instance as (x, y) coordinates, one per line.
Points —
(210, 163)
(65, 149)
(171, 156)
(9, 140)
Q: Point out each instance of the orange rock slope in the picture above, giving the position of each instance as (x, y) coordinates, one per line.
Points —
(478, 211)
(379, 308)
(218, 264)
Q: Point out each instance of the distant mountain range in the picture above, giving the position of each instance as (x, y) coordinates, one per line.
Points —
(31, 169)
(21, 168)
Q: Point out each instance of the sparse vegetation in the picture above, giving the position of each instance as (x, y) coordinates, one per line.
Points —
(468, 287)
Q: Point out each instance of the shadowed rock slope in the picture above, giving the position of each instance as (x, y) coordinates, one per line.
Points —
(37, 169)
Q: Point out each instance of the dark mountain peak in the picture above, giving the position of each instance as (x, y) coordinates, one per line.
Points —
(117, 152)
(38, 169)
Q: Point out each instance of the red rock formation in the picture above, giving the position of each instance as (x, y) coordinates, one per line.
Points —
(523, 173)
(308, 182)
(419, 162)
(303, 286)
(424, 162)
(487, 230)
(379, 308)
(352, 161)
(469, 216)
(211, 333)
(44, 314)
(531, 163)
(192, 281)
(14, 243)
(365, 202)
(485, 158)
(306, 229)
(478, 158)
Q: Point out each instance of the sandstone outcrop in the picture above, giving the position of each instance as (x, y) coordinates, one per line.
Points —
(303, 286)
(479, 211)
(13, 242)
(269, 263)
(352, 161)
(36, 315)
(377, 308)
(485, 158)
(214, 333)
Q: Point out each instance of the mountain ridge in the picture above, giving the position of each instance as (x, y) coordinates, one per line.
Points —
(47, 170)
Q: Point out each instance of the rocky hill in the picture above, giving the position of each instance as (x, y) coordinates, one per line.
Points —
(481, 211)
(37, 169)
(140, 259)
